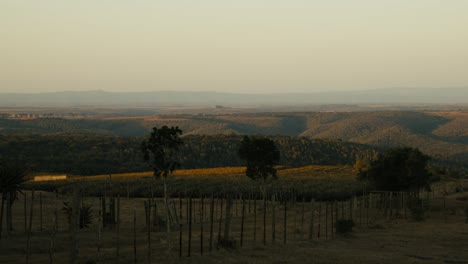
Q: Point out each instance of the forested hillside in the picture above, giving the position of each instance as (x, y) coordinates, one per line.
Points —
(443, 135)
(88, 154)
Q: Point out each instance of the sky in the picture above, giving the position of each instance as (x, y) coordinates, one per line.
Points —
(260, 46)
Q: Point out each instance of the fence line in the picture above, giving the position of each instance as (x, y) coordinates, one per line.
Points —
(235, 217)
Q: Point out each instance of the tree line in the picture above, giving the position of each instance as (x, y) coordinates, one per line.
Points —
(90, 154)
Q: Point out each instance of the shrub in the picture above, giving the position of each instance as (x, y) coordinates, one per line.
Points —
(86, 214)
(344, 226)
(418, 211)
(227, 243)
(466, 214)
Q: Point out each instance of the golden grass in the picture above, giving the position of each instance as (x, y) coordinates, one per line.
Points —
(50, 178)
(312, 171)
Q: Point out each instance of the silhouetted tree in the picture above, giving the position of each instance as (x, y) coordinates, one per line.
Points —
(12, 177)
(160, 150)
(399, 169)
(261, 155)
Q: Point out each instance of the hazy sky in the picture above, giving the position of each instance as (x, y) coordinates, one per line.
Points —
(232, 45)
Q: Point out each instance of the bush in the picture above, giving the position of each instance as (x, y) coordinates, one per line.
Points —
(86, 214)
(227, 243)
(344, 226)
(466, 214)
(418, 212)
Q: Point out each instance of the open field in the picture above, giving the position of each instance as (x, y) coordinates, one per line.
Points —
(313, 171)
(320, 182)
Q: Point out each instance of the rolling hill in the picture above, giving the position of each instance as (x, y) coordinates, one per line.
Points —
(442, 134)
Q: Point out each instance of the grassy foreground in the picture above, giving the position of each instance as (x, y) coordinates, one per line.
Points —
(441, 238)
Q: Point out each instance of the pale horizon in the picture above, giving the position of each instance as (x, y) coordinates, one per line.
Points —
(245, 46)
(389, 89)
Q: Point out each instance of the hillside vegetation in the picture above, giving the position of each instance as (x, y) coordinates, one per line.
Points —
(88, 154)
(443, 134)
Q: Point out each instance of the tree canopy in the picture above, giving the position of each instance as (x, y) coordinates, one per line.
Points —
(261, 155)
(398, 169)
(161, 148)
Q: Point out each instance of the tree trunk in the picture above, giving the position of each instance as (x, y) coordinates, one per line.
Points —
(1, 215)
(168, 221)
(28, 240)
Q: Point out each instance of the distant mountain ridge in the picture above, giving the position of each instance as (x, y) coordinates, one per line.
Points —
(176, 98)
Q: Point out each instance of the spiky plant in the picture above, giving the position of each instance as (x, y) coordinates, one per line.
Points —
(13, 174)
(86, 214)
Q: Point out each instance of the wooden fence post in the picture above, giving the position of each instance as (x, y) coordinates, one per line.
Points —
(52, 240)
(336, 217)
(220, 224)
(302, 217)
(445, 208)
(311, 226)
(264, 219)
(236, 201)
(360, 210)
(285, 226)
(117, 230)
(227, 226)
(74, 225)
(326, 219)
(367, 209)
(332, 213)
(242, 222)
(255, 220)
(342, 210)
(100, 223)
(250, 200)
(180, 226)
(391, 204)
(319, 220)
(190, 228)
(202, 215)
(187, 209)
(405, 204)
(294, 210)
(134, 233)
(25, 214)
(148, 225)
(40, 211)
(273, 218)
(212, 206)
(56, 210)
(28, 241)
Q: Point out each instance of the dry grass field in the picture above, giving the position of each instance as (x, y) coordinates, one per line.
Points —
(312, 171)
(441, 238)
